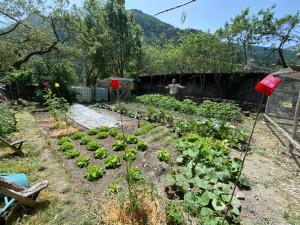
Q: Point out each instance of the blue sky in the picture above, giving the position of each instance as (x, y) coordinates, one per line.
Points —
(208, 14)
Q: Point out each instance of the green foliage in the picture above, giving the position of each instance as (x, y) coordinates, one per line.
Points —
(120, 136)
(135, 174)
(93, 131)
(94, 172)
(145, 129)
(114, 188)
(65, 146)
(7, 118)
(112, 162)
(78, 135)
(83, 161)
(131, 139)
(103, 128)
(164, 156)
(23, 76)
(100, 153)
(85, 140)
(102, 134)
(72, 153)
(93, 145)
(55, 104)
(64, 139)
(113, 131)
(174, 215)
(119, 146)
(129, 154)
(142, 146)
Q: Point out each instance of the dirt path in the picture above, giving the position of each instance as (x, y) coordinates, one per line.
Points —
(275, 176)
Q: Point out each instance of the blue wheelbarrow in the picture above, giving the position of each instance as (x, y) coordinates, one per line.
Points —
(19, 179)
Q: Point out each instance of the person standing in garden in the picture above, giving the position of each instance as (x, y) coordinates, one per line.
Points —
(174, 88)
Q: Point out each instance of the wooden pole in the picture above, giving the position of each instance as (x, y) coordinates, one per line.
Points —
(296, 118)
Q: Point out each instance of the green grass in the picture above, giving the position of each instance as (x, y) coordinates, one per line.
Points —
(145, 129)
(159, 136)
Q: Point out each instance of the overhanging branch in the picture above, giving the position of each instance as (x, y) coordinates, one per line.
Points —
(11, 30)
(176, 7)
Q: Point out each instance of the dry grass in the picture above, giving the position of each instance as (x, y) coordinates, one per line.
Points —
(63, 132)
(148, 211)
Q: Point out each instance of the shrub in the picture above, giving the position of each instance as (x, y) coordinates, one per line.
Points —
(112, 162)
(113, 132)
(119, 146)
(129, 154)
(93, 145)
(78, 135)
(64, 139)
(93, 131)
(83, 161)
(142, 146)
(103, 128)
(135, 174)
(100, 153)
(65, 146)
(85, 140)
(102, 135)
(72, 153)
(7, 118)
(132, 139)
(164, 156)
(94, 172)
(114, 188)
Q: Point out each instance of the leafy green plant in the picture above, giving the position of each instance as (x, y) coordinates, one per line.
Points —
(112, 162)
(83, 161)
(103, 129)
(119, 145)
(114, 188)
(174, 215)
(164, 156)
(120, 136)
(129, 154)
(142, 146)
(72, 153)
(100, 153)
(7, 118)
(85, 140)
(135, 174)
(78, 135)
(64, 139)
(94, 172)
(65, 146)
(131, 139)
(102, 134)
(93, 131)
(93, 145)
(113, 131)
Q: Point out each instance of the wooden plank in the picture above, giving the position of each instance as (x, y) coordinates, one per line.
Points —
(16, 195)
(34, 189)
(7, 184)
(8, 144)
(18, 142)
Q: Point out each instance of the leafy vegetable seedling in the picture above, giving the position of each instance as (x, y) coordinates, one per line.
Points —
(100, 153)
(93, 145)
(129, 154)
(113, 131)
(142, 146)
(93, 131)
(63, 140)
(83, 161)
(85, 140)
(112, 162)
(72, 153)
(119, 146)
(135, 174)
(94, 172)
(103, 128)
(78, 135)
(131, 139)
(65, 146)
(102, 135)
(164, 156)
(120, 136)
(114, 188)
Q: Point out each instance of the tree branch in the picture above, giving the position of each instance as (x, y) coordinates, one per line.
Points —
(11, 30)
(176, 7)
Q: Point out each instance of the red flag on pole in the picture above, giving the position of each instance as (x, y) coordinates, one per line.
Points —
(268, 85)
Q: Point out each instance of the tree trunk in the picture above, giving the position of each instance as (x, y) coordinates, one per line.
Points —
(282, 60)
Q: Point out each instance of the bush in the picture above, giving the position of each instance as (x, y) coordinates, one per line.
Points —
(63, 140)
(132, 139)
(142, 146)
(7, 118)
(93, 131)
(129, 154)
(78, 135)
(113, 132)
(119, 146)
(94, 172)
(164, 156)
(72, 153)
(83, 161)
(85, 140)
(100, 153)
(93, 146)
(65, 146)
(112, 162)
(102, 135)
(103, 128)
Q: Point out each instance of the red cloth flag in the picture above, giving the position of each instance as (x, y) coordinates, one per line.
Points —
(268, 85)
(115, 84)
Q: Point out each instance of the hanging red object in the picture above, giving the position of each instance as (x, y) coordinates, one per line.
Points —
(115, 84)
(268, 85)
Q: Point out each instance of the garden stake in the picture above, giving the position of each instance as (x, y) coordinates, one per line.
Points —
(244, 158)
